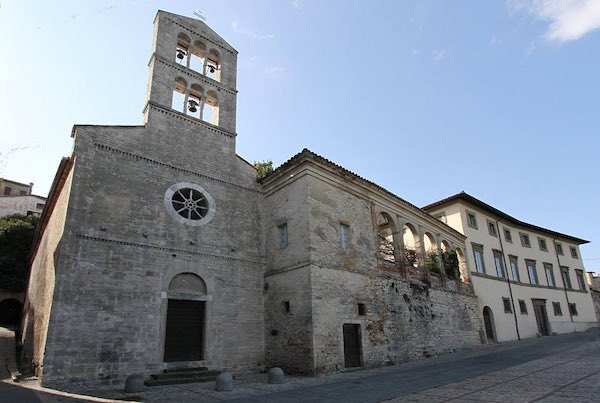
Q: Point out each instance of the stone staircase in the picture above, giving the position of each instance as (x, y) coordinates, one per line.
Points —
(182, 375)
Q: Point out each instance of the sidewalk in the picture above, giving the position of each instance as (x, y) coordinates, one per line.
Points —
(550, 369)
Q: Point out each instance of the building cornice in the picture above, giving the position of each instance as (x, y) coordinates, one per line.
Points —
(467, 198)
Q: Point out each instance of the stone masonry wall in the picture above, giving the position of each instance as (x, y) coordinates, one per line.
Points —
(403, 320)
(596, 301)
(38, 303)
(288, 329)
(109, 309)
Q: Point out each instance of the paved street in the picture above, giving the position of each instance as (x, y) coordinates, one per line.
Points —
(551, 369)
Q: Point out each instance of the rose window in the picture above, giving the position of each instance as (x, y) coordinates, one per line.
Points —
(189, 204)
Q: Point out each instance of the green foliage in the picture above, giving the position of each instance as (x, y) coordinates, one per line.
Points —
(432, 262)
(411, 256)
(450, 262)
(16, 238)
(263, 169)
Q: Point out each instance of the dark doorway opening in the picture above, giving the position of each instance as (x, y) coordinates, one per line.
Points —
(541, 316)
(488, 321)
(10, 313)
(185, 330)
(352, 356)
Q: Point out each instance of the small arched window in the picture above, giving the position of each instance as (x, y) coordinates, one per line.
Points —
(198, 56)
(211, 108)
(179, 95)
(212, 66)
(182, 53)
(193, 102)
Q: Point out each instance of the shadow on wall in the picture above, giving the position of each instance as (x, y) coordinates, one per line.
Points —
(10, 313)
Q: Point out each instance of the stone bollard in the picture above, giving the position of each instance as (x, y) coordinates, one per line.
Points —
(276, 375)
(224, 382)
(134, 384)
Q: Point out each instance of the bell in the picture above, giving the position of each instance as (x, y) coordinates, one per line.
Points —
(211, 69)
(180, 54)
(192, 106)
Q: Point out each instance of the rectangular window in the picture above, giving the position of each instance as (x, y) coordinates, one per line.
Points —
(471, 220)
(573, 309)
(492, 228)
(507, 307)
(531, 271)
(580, 279)
(39, 206)
(286, 306)
(283, 235)
(566, 277)
(523, 307)
(514, 268)
(525, 240)
(507, 235)
(23, 193)
(7, 190)
(345, 236)
(478, 252)
(543, 245)
(559, 249)
(557, 309)
(573, 252)
(500, 272)
(549, 275)
(362, 311)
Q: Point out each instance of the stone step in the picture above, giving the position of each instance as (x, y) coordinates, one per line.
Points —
(187, 369)
(176, 381)
(186, 374)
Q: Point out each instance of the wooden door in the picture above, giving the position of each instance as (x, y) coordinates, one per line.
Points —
(541, 316)
(352, 356)
(185, 330)
(489, 323)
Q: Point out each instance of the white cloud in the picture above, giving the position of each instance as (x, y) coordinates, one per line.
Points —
(297, 4)
(249, 32)
(273, 70)
(438, 55)
(568, 20)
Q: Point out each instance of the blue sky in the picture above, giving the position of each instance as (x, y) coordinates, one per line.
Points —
(500, 99)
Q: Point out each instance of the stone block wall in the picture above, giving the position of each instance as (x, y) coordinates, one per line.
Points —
(42, 280)
(109, 307)
(402, 321)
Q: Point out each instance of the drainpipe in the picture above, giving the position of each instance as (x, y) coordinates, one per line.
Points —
(512, 300)
(562, 278)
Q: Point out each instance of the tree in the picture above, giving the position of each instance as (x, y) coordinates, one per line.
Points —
(263, 169)
(16, 239)
(451, 264)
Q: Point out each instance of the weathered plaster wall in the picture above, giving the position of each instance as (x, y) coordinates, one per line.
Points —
(38, 304)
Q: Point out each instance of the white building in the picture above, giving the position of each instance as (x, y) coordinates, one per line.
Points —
(529, 280)
(16, 198)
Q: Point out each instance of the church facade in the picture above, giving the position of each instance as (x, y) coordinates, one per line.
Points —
(158, 247)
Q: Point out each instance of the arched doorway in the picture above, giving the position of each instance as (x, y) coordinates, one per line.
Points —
(184, 336)
(488, 321)
(10, 312)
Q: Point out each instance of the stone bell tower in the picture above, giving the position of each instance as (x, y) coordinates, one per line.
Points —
(192, 71)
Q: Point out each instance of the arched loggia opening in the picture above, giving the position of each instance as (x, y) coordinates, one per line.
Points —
(386, 236)
(186, 311)
(410, 237)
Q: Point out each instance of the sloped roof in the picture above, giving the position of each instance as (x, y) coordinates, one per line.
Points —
(307, 155)
(465, 197)
(198, 27)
